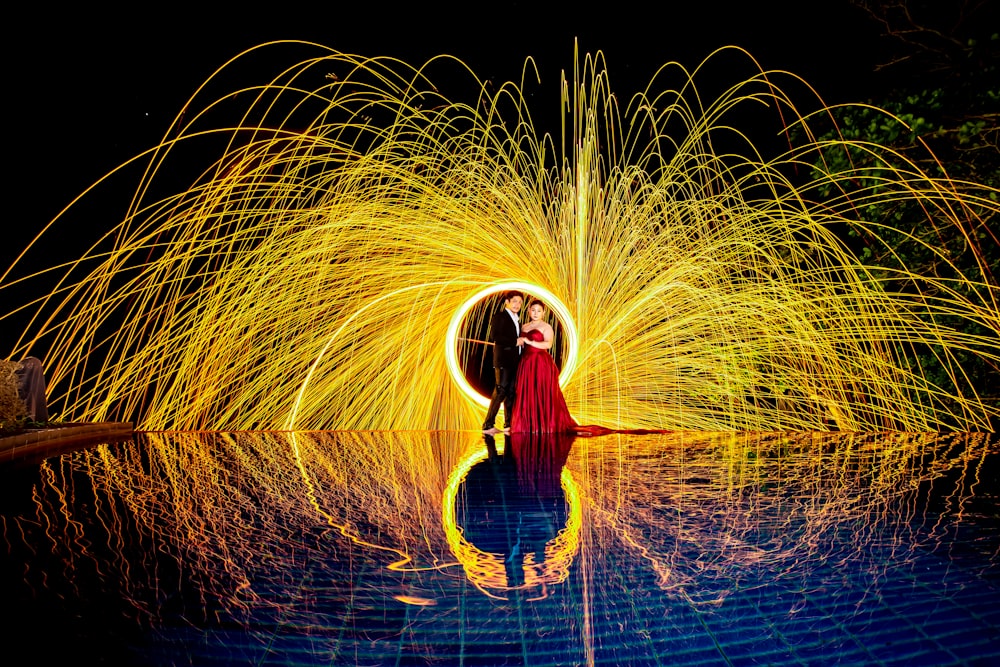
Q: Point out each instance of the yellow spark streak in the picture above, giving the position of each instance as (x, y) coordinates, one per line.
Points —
(312, 277)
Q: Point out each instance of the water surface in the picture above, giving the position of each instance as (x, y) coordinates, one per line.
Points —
(445, 548)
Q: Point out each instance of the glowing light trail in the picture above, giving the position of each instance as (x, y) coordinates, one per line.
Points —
(311, 277)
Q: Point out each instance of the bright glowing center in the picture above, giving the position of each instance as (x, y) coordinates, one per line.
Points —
(557, 306)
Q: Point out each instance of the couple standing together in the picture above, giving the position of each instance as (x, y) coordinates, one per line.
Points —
(527, 379)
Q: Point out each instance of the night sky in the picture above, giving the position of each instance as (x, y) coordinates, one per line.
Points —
(87, 89)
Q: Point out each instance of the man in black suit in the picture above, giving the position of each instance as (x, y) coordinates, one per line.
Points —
(505, 334)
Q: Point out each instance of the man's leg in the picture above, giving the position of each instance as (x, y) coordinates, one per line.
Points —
(510, 388)
(496, 400)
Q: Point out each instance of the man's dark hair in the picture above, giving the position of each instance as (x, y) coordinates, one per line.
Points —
(511, 294)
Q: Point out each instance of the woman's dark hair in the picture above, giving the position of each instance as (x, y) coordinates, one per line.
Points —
(533, 302)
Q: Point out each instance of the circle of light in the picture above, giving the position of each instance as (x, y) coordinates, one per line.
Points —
(557, 306)
(486, 570)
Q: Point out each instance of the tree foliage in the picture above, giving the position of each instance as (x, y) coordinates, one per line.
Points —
(938, 112)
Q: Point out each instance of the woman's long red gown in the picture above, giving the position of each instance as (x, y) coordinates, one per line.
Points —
(539, 405)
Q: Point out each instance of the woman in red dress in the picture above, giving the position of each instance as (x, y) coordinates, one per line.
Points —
(539, 406)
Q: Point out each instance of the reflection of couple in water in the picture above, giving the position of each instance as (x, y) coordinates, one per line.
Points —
(515, 511)
(527, 379)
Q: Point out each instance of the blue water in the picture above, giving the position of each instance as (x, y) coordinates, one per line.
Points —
(443, 548)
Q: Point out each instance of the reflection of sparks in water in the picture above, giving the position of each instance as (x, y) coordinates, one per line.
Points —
(307, 277)
(702, 514)
(415, 601)
(486, 570)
